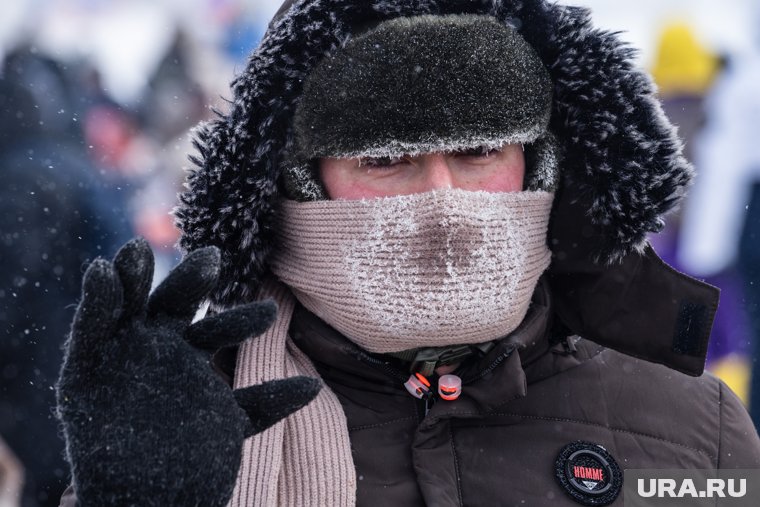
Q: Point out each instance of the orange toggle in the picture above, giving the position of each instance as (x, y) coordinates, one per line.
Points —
(449, 387)
(422, 379)
(418, 386)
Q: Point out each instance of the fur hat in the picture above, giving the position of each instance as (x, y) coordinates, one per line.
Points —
(424, 84)
(622, 164)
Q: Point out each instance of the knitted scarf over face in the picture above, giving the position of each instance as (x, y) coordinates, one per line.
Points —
(426, 270)
(431, 269)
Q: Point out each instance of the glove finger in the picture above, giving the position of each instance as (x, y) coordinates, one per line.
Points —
(272, 401)
(134, 263)
(98, 312)
(233, 326)
(187, 285)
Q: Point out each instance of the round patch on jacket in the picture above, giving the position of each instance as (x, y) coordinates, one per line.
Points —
(588, 473)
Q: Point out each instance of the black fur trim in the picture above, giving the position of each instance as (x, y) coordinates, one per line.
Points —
(622, 158)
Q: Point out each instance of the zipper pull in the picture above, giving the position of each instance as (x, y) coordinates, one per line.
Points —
(418, 386)
(449, 387)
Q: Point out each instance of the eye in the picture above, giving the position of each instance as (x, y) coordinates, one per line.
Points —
(380, 162)
(478, 151)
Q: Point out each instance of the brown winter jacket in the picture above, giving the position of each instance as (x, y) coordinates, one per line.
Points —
(524, 401)
(497, 445)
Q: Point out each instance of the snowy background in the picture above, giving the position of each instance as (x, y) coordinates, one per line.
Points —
(126, 38)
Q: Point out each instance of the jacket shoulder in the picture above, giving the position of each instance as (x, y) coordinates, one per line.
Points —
(739, 445)
(698, 418)
(701, 412)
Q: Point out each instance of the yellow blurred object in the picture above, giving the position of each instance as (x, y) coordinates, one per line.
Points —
(683, 65)
(734, 370)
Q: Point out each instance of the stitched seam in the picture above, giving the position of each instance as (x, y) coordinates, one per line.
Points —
(456, 465)
(380, 425)
(592, 353)
(720, 420)
(619, 430)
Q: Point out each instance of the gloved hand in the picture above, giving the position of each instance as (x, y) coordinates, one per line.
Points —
(147, 421)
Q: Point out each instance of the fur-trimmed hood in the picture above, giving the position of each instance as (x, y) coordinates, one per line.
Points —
(622, 159)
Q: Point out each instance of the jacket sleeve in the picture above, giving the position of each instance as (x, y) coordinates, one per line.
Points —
(739, 445)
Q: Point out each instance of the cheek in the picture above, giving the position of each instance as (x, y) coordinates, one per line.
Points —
(506, 173)
(331, 172)
(504, 179)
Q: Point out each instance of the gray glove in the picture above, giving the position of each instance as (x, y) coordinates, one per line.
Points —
(147, 421)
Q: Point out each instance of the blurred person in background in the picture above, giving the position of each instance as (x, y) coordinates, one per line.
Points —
(720, 227)
(171, 103)
(56, 213)
(244, 26)
(81, 173)
(684, 71)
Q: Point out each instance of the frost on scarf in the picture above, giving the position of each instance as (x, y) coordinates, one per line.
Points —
(432, 269)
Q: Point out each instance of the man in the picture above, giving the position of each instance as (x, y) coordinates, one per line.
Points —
(448, 201)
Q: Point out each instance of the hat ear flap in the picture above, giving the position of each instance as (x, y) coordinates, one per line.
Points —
(301, 182)
(542, 163)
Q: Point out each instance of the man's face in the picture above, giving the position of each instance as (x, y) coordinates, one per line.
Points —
(499, 170)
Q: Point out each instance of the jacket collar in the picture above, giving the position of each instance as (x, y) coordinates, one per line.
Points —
(490, 381)
(639, 306)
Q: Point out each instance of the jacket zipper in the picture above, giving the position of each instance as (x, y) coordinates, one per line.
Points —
(377, 364)
(496, 362)
(425, 404)
(398, 375)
